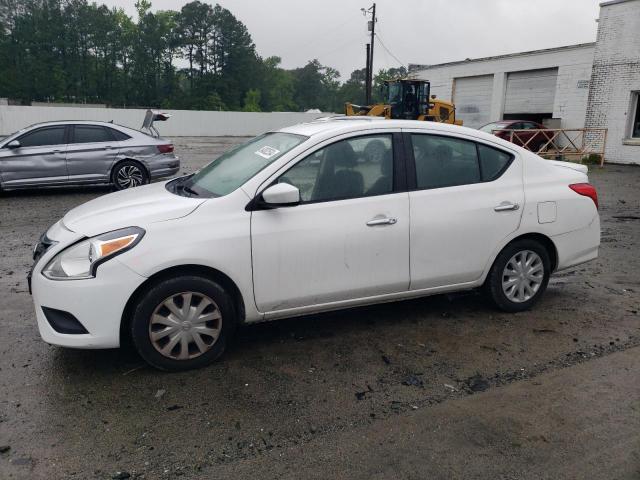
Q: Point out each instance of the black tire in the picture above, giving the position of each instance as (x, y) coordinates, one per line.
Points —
(152, 301)
(493, 286)
(129, 174)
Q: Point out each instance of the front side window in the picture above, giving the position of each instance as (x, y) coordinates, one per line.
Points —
(444, 162)
(237, 166)
(91, 134)
(357, 167)
(43, 137)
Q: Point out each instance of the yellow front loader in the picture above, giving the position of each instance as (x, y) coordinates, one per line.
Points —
(408, 100)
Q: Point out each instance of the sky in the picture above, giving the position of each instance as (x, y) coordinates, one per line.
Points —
(414, 31)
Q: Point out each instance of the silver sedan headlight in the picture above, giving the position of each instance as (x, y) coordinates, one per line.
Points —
(81, 260)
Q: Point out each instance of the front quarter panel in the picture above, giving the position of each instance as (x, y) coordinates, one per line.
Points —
(216, 235)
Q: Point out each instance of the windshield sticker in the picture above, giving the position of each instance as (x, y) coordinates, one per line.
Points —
(267, 152)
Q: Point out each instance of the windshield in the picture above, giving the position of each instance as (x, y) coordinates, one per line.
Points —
(235, 167)
(395, 93)
(490, 127)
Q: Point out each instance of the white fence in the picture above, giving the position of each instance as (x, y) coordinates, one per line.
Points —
(183, 123)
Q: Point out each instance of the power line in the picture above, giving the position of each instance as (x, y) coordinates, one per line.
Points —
(389, 51)
(323, 35)
(348, 42)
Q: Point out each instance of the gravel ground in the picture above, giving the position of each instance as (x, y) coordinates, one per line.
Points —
(441, 387)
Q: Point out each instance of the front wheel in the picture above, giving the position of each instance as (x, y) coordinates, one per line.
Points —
(183, 323)
(519, 276)
(129, 174)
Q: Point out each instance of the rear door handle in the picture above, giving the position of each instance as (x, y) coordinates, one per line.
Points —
(382, 221)
(506, 206)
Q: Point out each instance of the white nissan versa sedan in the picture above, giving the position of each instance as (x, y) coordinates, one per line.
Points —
(319, 216)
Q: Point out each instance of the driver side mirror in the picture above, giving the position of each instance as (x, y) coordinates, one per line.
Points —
(13, 144)
(281, 195)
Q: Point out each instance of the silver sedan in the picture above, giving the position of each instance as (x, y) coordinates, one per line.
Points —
(82, 153)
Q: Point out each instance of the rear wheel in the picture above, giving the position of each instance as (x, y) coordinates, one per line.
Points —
(129, 174)
(519, 276)
(183, 323)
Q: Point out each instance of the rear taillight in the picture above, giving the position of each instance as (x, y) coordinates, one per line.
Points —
(165, 148)
(587, 190)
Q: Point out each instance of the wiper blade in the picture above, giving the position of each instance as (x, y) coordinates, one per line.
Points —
(190, 190)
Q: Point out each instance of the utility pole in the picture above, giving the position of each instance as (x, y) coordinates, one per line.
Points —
(367, 90)
(372, 28)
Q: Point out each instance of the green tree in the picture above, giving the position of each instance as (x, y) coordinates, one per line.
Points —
(252, 101)
(382, 76)
(277, 85)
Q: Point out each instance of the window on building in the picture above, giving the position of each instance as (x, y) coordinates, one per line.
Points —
(635, 127)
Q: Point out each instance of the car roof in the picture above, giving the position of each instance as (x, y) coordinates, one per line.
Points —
(75, 122)
(338, 125)
(328, 127)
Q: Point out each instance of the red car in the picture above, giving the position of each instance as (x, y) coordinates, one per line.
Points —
(534, 140)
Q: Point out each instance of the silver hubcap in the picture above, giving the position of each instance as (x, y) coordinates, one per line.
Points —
(129, 176)
(185, 325)
(522, 276)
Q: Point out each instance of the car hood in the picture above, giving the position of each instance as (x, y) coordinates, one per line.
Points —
(133, 207)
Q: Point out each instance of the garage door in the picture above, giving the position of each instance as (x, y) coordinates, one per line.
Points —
(532, 91)
(472, 97)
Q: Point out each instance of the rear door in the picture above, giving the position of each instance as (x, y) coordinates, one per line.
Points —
(40, 159)
(467, 197)
(92, 151)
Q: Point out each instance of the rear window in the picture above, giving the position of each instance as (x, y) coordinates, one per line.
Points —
(490, 127)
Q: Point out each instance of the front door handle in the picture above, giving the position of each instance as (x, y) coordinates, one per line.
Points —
(506, 206)
(382, 221)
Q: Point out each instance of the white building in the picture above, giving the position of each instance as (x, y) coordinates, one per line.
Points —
(593, 85)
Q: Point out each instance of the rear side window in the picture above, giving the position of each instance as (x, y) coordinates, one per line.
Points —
(91, 134)
(444, 162)
(493, 162)
(43, 137)
(118, 135)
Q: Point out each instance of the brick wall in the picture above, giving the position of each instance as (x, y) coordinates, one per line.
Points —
(615, 76)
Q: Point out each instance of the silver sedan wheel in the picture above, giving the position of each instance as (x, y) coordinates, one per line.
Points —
(185, 325)
(129, 176)
(522, 276)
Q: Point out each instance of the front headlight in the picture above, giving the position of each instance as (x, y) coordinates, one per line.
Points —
(82, 259)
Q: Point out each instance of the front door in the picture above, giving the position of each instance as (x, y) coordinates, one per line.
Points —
(39, 160)
(91, 154)
(347, 239)
(467, 199)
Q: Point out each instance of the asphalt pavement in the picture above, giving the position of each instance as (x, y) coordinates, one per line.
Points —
(440, 387)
